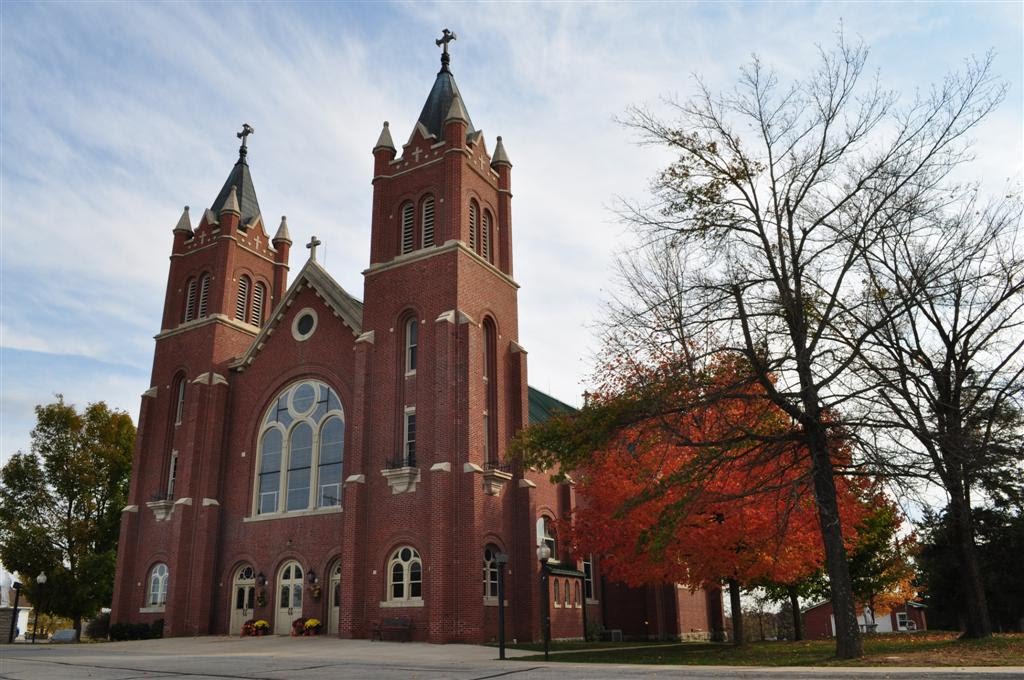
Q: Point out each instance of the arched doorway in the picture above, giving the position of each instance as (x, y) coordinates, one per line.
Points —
(289, 597)
(334, 599)
(243, 592)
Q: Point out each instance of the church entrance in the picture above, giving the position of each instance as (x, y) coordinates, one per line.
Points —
(242, 595)
(334, 599)
(289, 600)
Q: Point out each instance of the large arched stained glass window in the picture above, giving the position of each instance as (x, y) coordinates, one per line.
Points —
(301, 450)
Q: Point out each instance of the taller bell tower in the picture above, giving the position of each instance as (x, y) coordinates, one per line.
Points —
(445, 378)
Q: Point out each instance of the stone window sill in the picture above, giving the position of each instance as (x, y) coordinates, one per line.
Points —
(155, 609)
(397, 604)
(332, 510)
(492, 602)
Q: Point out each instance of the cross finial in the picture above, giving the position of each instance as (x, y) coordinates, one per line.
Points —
(442, 42)
(243, 135)
(313, 243)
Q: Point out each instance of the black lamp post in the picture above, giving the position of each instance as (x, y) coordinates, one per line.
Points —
(502, 560)
(543, 554)
(14, 612)
(40, 581)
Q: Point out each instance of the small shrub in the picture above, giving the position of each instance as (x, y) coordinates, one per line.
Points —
(156, 629)
(118, 631)
(99, 627)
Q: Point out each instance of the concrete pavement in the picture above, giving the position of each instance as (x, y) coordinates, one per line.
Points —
(323, 658)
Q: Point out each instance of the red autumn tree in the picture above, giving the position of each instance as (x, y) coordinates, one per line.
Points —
(713, 493)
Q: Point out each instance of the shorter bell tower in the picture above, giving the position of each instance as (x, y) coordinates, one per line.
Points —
(225, 276)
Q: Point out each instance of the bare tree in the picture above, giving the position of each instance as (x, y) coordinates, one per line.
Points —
(948, 368)
(759, 226)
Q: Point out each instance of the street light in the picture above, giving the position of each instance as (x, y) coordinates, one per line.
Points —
(502, 560)
(40, 581)
(543, 554)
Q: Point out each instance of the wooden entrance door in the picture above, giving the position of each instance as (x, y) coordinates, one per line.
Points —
(289, 598)
(243, 592)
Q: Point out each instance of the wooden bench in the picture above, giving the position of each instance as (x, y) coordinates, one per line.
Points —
(398, 628)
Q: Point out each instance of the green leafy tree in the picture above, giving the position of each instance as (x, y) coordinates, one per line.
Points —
(1000, 535)
(60, 506)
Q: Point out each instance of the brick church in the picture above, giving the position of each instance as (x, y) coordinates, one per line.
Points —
(305, 453)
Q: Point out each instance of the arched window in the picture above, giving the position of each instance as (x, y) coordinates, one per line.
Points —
(412, 332)
(558, 593)
(491, 571)
(179, 399)
(204, 294)
(474, 226)
(259, 294)
(190, 299)
(565, 592)
(405, 575)
(242, 298)
(576, 593)
(408, 220)
(550, 539)
(158, 585)
(301, 449)
(485, 237)
(428, 222)
(491, 387)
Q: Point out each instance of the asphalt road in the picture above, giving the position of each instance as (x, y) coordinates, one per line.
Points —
(322, 658)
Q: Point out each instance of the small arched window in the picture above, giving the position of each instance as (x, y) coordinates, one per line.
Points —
(491, 571)
(565, 592)
(486, 237)
(190, 299)
(179, 399)
(405, 575)
(408, 222)
(491, 387)
(428, 222)
(576, 593)
(242, 298)
(412, 332)
(474, 224)
(158, 576)
(259, 294)
(204, 295)
(550, 539)
(558, 593)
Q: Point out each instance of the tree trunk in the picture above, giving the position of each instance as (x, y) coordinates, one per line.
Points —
(977, 623)
(849, 644)
(794, 603)
(737, 612)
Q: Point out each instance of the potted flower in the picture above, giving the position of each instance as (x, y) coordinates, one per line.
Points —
(255, 628)
(312, 627)
(299, 627)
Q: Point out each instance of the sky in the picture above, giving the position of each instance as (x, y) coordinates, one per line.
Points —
(114, 115)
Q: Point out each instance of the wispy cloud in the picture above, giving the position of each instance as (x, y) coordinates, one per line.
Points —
(114, 116)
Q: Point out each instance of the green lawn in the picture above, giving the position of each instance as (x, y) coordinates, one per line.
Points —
(918, 649)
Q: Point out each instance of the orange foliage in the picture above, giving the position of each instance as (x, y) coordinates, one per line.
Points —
(705, 495)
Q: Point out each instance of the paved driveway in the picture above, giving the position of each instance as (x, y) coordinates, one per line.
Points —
(323, 658)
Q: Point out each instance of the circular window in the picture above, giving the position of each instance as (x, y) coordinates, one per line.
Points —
(303, 398)
(304, 324)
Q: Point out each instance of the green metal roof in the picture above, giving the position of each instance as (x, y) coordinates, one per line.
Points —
(543, 406)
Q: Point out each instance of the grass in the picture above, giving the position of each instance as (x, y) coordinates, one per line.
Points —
(916, 649)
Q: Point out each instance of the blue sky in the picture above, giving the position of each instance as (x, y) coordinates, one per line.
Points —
(115, 115)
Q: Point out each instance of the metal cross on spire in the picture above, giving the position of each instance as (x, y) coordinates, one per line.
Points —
(313, 243)
(243, 135)
(442, 42)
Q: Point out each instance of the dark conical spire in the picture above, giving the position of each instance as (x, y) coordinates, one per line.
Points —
(439, 101)
(241, 180)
